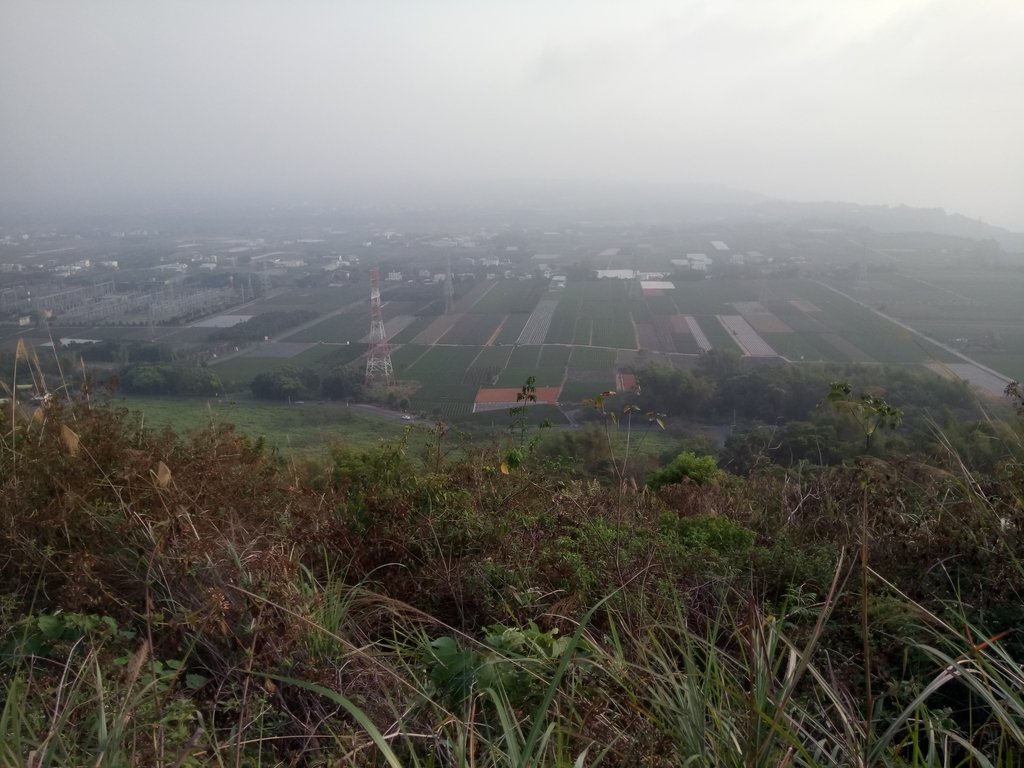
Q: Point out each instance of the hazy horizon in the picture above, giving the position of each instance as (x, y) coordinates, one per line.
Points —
(912, 102)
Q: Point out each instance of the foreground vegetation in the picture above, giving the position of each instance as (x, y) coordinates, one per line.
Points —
(191, 600)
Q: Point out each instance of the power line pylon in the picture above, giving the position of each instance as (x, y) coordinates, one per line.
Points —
(378, 362)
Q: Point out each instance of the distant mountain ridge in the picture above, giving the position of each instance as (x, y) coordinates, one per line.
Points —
(898, 218)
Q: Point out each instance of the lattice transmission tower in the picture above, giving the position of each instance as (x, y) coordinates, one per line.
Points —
(378, 361)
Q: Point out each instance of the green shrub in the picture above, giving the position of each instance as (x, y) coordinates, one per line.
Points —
(686, 466)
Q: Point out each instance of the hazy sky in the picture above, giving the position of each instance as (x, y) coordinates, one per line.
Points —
(884, 101)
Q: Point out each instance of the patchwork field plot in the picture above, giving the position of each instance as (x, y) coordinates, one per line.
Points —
(318, 299)
(488, 365)
(476, 329)
(714, 333)
(511, 329)
(545, 363)
(699, 337)
(593, 313)
(320, 357)
(539, 323)
(761, 319)
(746, 337)
(807, 347)
(348, 326)
(511, 297)
(393, 326)
(441, 373)
(221, 321)
(404, 355)
(712, 297)
(590, 358)
(976, 311)
(411, 331)
(283, 349)
(438, 327)
(503, 398)
(877, 338)
(478, 291)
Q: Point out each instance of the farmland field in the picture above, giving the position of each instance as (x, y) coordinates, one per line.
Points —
(475, 329)
(511, 329)
(584, 357)
(593, 313)
(879, 339)
(976, 311)
(412, 330)
(715, 333)
(537, 325)
(438, 327)
(321, 357)
(441, 373)
(545, 363)
(488, 365)
(318, 299)
(404, 355)
(804, 346)
(348, 326)
(511, 297)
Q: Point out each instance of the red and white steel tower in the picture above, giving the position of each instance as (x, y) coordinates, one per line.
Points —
(378, 361)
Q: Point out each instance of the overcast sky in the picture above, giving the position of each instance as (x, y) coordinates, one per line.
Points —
(887, 101)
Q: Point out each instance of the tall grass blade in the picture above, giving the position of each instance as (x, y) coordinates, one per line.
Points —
(357, 714)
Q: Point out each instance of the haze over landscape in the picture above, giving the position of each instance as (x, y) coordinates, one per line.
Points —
(512, 384)
(914, 102)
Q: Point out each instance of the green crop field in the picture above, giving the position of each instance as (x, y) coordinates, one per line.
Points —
(441, 374)
(712, 297)
(717, 335)
(880, 339)
(977, 311)
(806, 346)
(588, 357)
(318, 299)
(511, 297)
(593, 313)
(348, 326)
(521, 364)
(545, 363)
(487, 366)
(405, 355)
(511, 329)
(412, 330)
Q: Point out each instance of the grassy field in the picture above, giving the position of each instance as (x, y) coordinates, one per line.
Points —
(511, 297)
(348, 326)
(309, 428)
(317, 299)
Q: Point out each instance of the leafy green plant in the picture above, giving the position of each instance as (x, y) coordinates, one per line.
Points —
(687, 466)
(519, 446)
(869, 410)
